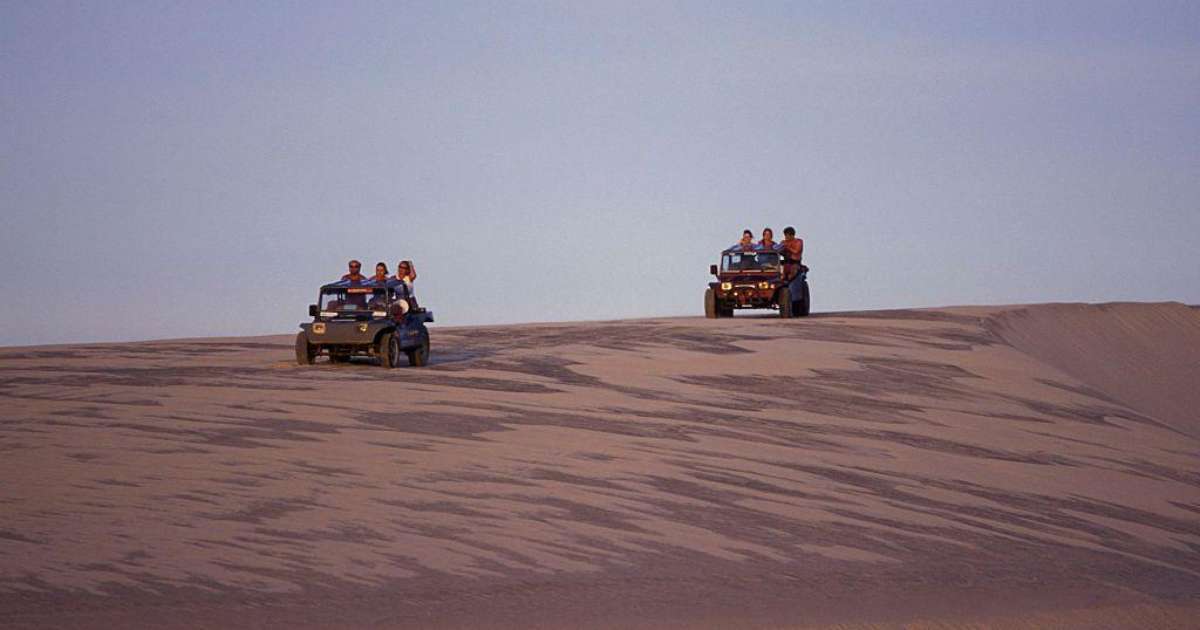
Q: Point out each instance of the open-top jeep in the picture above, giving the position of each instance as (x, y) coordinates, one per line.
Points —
(366, 319)
(755, 279)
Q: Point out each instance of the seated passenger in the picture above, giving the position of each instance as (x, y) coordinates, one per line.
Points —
(746, 244)
(768, 241)
(357, 300)
(381, 274)
(355, 276)
(379, 299)
(406, 274)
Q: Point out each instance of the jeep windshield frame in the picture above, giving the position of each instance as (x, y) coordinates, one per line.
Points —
(352, 301)
(756, 261)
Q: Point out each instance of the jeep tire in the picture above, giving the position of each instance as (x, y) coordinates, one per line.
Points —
(804, 305)
(784, 300)
(712, 310)
(389, 350)
(419, 356)
(306, 353)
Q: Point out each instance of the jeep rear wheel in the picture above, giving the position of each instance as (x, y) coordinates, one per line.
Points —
(339, 356)
(711, 309)
(306, 353)
(785, 303)
(419, 356)
(804, 306)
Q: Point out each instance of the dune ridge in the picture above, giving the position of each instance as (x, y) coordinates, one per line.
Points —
(1012, 466)
(1149, 357)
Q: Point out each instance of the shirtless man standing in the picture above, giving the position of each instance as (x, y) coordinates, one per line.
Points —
(793, 251)
(355, 274)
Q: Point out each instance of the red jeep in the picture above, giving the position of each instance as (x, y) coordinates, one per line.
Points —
(754, 279)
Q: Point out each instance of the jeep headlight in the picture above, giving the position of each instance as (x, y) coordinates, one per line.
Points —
(764, 285)
(726, 286)
(318, 328)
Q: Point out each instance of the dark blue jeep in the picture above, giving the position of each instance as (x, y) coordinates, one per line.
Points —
(378, 320)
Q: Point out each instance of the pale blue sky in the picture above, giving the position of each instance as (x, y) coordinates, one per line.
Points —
(196, 169)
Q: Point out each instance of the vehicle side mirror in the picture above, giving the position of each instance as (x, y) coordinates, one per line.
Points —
(712, 269)
(312, 310)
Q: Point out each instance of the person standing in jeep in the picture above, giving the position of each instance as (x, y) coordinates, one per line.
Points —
(746, 244)
(793, 252)
(381, 273)
(768, 244)
(794, 270)
(406, 274)
(355, 274)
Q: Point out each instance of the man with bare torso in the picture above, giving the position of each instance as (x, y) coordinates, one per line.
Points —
(792, 249)
(355, 276)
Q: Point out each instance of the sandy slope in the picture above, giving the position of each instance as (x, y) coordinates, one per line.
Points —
(1011, 466)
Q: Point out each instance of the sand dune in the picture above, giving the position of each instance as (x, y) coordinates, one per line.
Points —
(1025, 466)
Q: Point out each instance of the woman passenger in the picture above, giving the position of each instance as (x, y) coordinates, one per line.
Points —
(768, 241)
(407, 273)
(381, 273)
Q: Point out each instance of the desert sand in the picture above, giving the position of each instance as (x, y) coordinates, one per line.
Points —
(1009, 466)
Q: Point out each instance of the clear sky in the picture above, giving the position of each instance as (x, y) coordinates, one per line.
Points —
(174, 169)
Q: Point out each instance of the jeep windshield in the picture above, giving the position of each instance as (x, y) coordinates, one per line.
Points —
(350, 300)
(750, 261)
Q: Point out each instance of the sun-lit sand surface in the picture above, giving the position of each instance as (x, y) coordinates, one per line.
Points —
(983, 467)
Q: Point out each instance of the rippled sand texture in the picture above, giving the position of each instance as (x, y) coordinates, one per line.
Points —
(1010, 466)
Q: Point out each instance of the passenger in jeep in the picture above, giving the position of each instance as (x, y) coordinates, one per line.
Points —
(768, 241)
(406, 274)
(381, 274)
(746, 244)
(355, 274)
(793, 252)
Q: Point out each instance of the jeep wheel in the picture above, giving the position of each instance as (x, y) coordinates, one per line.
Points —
(711, 310)
(389, 351)
(805, 304)
(306, 352)
(785, 303)
(419, 356)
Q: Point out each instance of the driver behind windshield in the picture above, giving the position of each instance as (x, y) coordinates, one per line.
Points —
(379, 301)
(357, 300)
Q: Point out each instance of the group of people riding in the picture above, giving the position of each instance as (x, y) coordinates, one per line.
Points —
(406, 274)
(791, 248)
